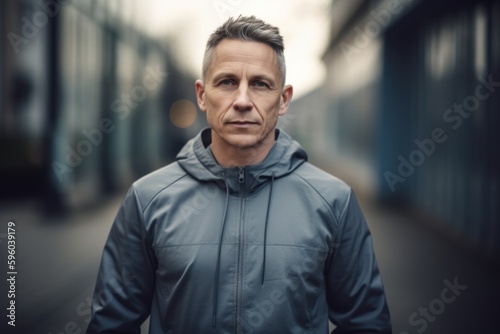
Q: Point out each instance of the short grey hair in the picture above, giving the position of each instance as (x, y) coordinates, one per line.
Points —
(247, 28)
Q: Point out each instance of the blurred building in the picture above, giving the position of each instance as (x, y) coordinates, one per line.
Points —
(410, 109)
(86, 101)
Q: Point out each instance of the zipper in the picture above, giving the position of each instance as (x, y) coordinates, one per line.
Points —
(241, 175)
(239, 284)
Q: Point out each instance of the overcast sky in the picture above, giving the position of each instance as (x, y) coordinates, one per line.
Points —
(188, 23)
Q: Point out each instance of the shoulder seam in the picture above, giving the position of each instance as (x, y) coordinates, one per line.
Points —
(159, 191)
(348, 200)
(322, 197)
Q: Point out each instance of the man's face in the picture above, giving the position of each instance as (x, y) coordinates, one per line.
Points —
(242, 94)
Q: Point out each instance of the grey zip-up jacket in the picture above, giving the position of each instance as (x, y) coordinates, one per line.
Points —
(278, 247)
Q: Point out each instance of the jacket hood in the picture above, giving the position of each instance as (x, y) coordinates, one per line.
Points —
(196, 159)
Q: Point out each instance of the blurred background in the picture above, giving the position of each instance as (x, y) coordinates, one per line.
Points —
(400, 98)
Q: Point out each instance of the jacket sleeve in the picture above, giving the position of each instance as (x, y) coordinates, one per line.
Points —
(125, 282)
(355, 293)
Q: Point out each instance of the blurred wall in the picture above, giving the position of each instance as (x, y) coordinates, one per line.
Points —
(410, 109)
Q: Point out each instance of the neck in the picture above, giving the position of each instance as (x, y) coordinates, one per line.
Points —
(228, 155)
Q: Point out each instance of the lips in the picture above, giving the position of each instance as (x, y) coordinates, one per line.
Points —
(243, 122)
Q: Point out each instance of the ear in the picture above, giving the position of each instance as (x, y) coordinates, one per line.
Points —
(199, 87)
(286, 97)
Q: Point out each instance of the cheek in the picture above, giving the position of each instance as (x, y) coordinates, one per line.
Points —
(215, 110)
(218, 101)
(269, 105)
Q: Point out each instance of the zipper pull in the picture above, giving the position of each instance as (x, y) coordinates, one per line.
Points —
(241, 176)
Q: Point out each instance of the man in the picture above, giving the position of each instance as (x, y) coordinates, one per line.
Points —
(241, 234)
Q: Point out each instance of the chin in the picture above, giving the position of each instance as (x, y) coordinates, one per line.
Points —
(243, 141)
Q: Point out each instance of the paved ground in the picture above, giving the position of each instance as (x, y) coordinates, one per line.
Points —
(58, 258)
(432, 284)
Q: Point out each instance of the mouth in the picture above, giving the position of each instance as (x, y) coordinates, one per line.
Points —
(242, 123)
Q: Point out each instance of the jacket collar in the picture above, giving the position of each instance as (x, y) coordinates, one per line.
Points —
(196, 159)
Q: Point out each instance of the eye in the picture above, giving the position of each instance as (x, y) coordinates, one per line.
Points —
(226, 82)
(260, 84)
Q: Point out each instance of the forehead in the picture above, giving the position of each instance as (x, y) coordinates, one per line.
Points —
(237, 54)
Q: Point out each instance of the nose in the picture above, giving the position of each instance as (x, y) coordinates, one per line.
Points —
(242, 102)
